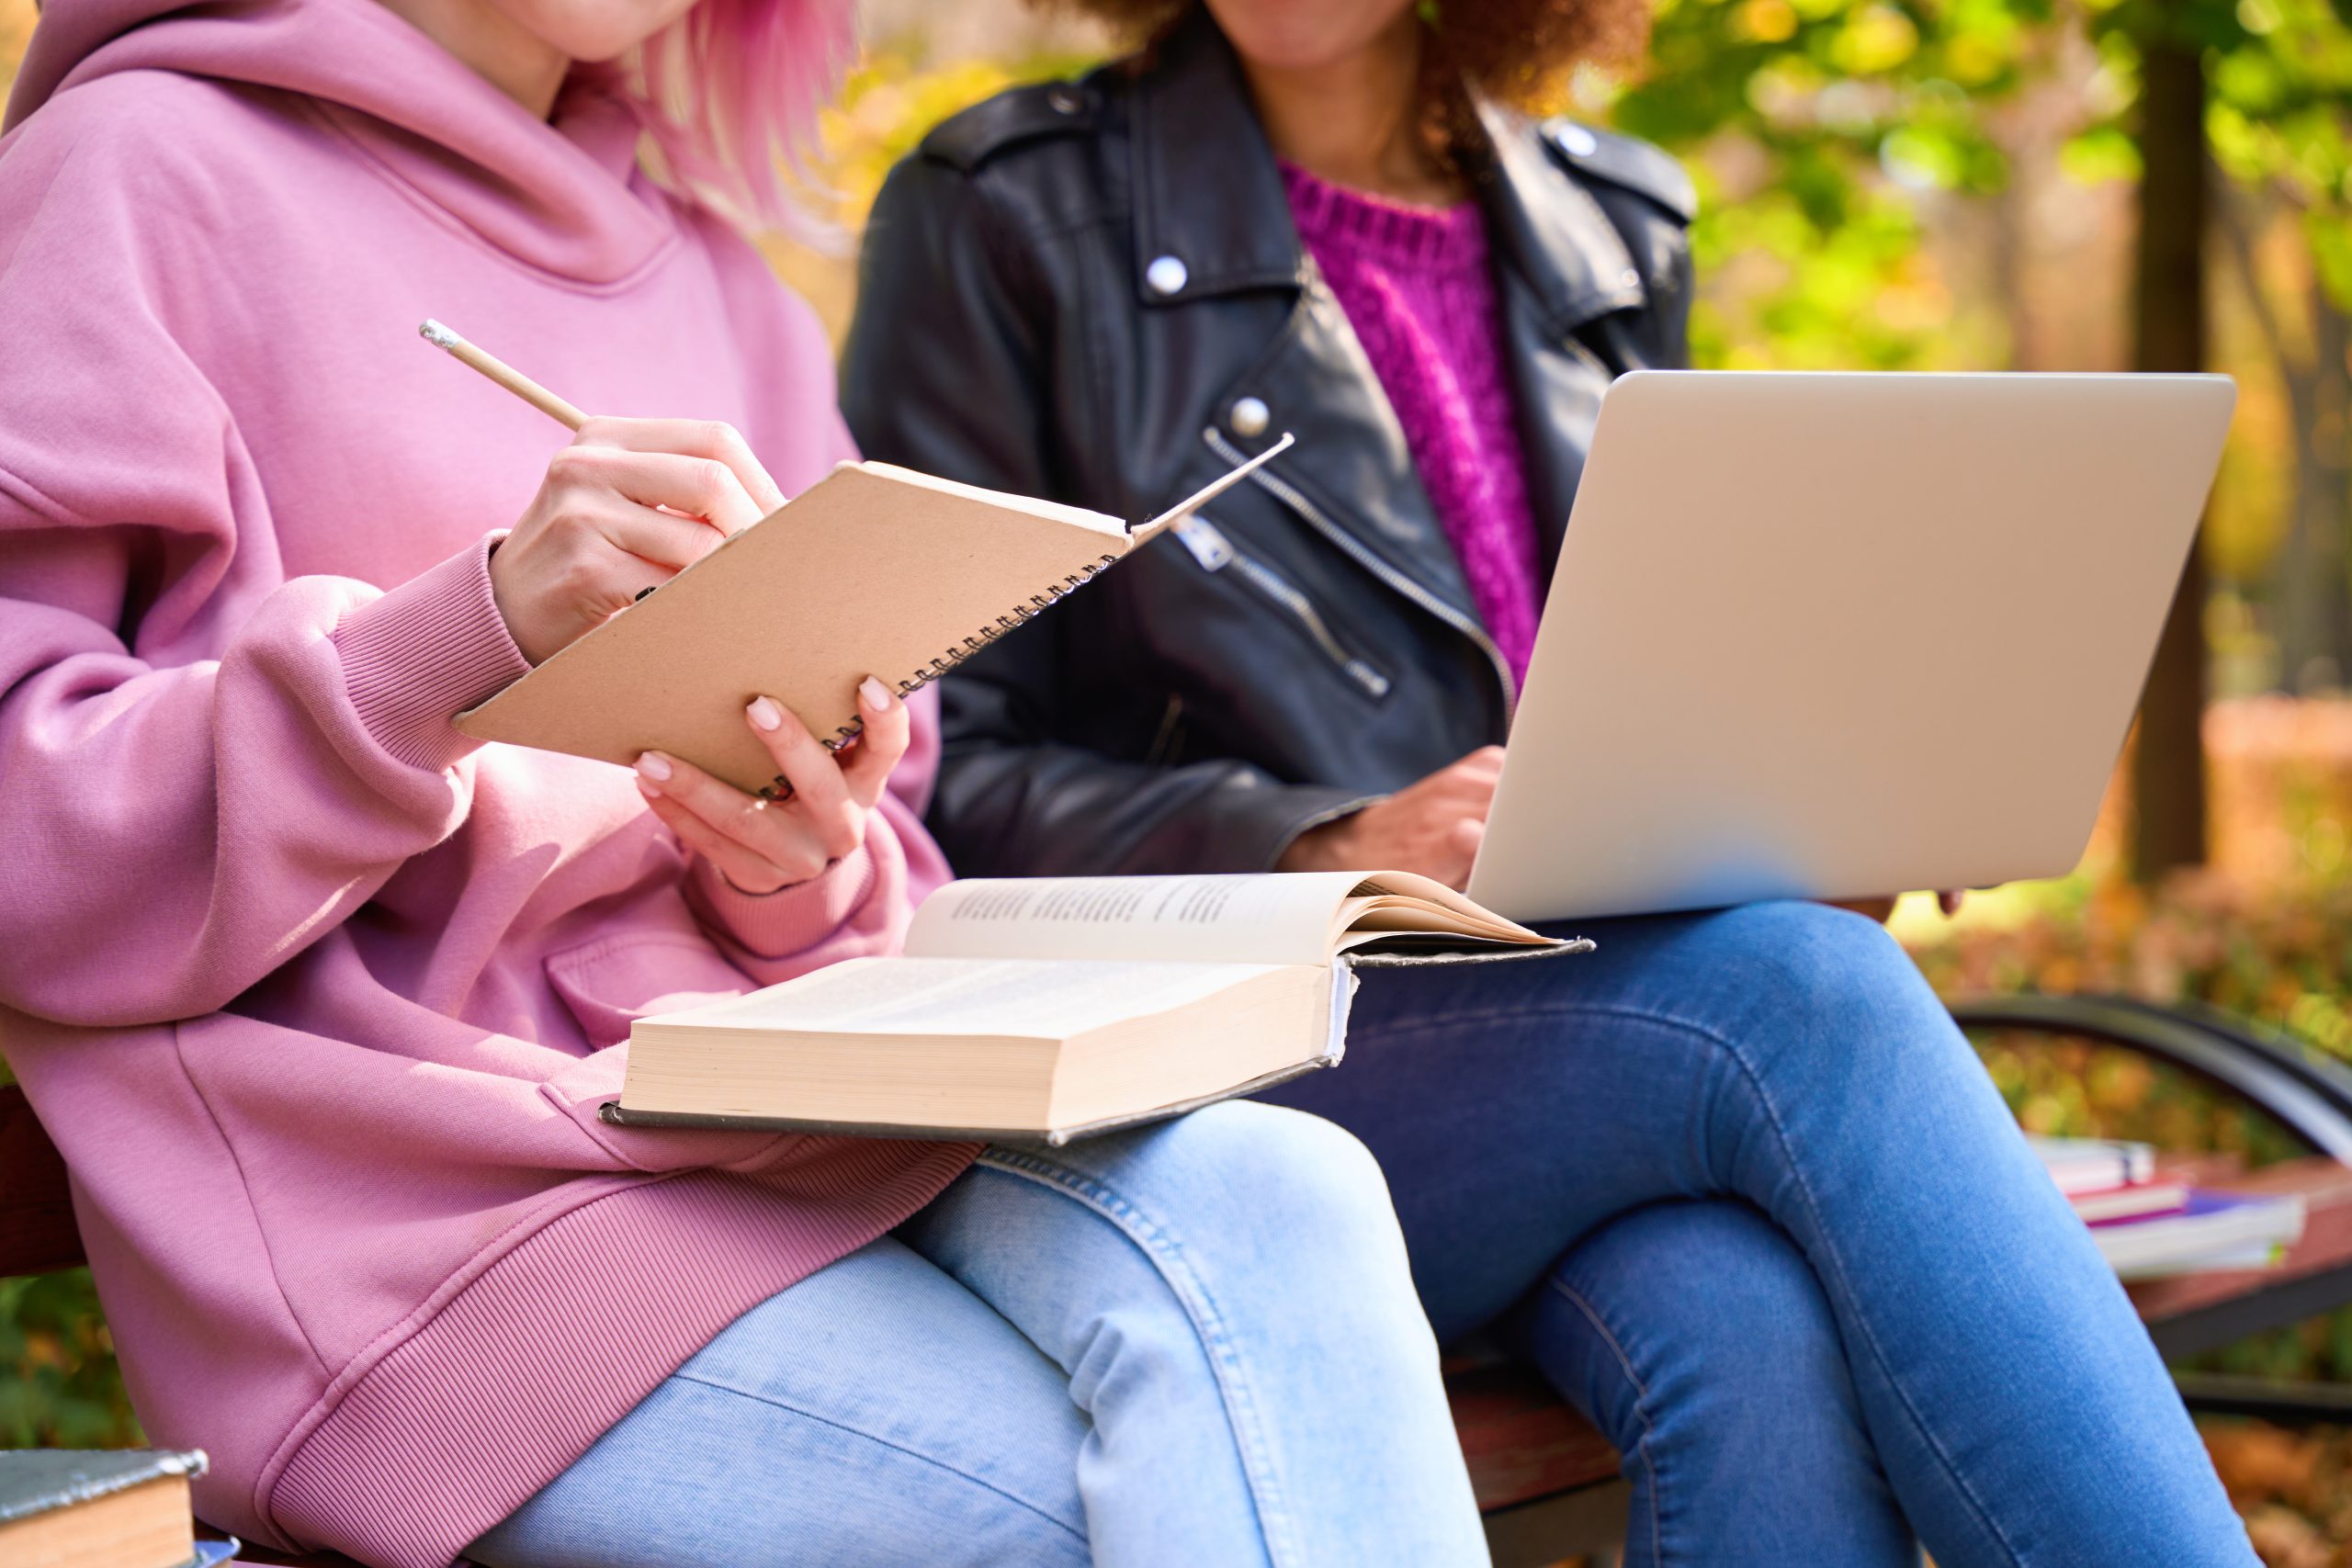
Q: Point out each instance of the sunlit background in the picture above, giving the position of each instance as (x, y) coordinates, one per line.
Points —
(1955, 185)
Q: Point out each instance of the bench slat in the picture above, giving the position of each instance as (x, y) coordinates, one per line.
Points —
(279, 1559)
(37, 1233)
(2326, 1189)
(2191, 1312)
(1522, 1443)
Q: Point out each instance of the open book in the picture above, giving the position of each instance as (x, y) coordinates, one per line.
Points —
(874, 570)
(1053, 1008)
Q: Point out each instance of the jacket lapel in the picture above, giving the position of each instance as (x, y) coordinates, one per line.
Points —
(1562, 266)
(1208, 197)
(1352, 463)
(1548, 232)
(1558, 386)
(1206, 192)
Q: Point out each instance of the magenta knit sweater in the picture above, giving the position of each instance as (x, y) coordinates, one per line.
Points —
(1416, 286)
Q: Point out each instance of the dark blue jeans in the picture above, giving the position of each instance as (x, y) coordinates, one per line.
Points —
(1741, 1189)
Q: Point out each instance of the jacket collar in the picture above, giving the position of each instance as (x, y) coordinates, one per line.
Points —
(1546, 228)
(1206, 190)
(1208, 194)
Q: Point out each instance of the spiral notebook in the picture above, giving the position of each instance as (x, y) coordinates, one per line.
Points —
(876, 569)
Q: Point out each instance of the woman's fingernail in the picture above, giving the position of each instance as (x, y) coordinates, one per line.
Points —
(874, 693)
(654, 765)
(765, 714)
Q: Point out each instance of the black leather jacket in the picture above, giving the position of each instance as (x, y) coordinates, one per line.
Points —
(1093, 291)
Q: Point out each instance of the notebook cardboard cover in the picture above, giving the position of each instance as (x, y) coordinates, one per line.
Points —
(862, 573)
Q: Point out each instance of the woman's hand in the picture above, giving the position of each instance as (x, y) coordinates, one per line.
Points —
(759, 845)
(1435, 824)
(624, 508)
(1432, 826)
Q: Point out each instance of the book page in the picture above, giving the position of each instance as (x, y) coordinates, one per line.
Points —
(1389, 903)
(1273, 918)
(1032, 999)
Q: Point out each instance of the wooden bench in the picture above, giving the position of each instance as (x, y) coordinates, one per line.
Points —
(1547, 1482)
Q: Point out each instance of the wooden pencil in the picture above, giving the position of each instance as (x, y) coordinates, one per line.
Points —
(505, 374)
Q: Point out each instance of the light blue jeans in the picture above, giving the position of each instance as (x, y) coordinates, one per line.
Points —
(1196, 1343)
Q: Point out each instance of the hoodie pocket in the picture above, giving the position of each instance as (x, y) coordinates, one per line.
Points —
(582, 1090)
(610, 983)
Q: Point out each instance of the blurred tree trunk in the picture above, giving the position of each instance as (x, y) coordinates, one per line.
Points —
(2314, 584)
(2009, 273)
(2311, 579)
(2169, 334)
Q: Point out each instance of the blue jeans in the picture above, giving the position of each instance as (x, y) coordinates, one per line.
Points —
(1741, 1189)
(1194, 1344)
(1735, 1182)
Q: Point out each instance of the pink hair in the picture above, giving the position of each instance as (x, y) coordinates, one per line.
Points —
(729, 94)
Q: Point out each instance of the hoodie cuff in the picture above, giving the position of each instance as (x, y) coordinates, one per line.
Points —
(791, 920)
(419, 655)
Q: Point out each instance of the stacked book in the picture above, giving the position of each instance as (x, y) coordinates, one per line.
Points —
(2148, 1226)
(63, 1508)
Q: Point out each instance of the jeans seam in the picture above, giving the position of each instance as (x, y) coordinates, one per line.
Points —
(806, 1414)
(1828, 1246)
(1576, 1299)
(1150, 1237)
(1780, 1132)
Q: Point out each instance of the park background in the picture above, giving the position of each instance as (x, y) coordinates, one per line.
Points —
(2036, 185)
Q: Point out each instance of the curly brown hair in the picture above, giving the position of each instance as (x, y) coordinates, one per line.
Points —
(1515, 51)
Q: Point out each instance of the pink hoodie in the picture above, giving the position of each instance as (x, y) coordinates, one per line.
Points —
(318, 998)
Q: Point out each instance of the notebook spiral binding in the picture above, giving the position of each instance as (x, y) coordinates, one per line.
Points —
(932, 670)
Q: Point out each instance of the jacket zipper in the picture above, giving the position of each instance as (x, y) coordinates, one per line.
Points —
(1357, 552)
(1171, 730)
(1578, 347)
(1215, 552)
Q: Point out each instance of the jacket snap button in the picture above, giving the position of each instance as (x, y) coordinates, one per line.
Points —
(1064, 100)
(1578, 143)
(1629, 278)
(1166, 275)
(1249, 416)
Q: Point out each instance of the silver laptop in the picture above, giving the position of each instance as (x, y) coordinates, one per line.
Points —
(1841, 635)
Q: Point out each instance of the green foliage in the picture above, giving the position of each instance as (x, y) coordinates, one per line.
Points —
(2279, 953)
(1817, 126)
(1818, 275)
(888, 104)
(59, 1383)
(1848, 112)
(2278, 956)
(1820, 129)
(2282, 117)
